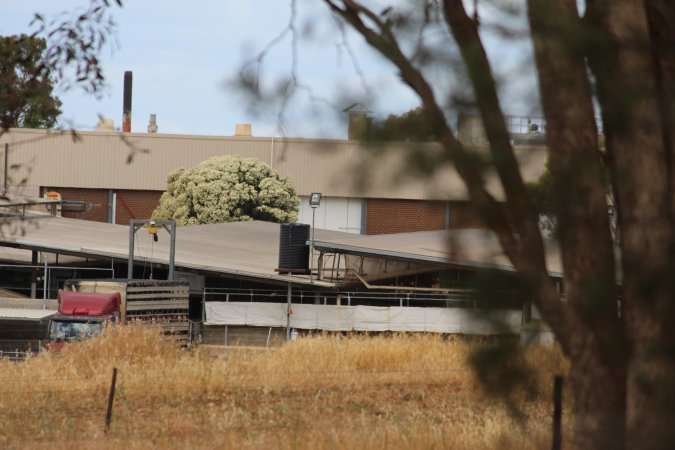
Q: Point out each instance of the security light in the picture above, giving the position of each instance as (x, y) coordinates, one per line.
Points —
(315, 199)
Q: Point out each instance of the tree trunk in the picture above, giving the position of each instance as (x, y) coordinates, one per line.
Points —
(651, 379)
(642, 175)
(597, 345)
(599, 393)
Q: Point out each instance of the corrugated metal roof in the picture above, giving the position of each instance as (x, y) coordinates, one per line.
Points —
(336, 168)
(466, 247)
(250, 249)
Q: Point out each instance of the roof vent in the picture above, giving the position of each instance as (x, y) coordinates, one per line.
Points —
(242, 129)
(152, 126)
(359, 122)
(105, 124)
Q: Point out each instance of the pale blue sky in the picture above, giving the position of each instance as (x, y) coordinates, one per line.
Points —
(183, 53)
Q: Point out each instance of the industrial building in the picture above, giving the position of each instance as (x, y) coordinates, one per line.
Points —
(415, 281)
(394, 247)
(367, 188)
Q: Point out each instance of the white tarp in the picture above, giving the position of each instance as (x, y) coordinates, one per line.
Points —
(365, 318)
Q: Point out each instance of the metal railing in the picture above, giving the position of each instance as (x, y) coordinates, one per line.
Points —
(15, 356)
(454, 298)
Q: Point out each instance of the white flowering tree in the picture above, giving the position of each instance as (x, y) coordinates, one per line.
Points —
(228, 189)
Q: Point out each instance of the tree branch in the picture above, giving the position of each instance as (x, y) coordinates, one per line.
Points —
(385, 42)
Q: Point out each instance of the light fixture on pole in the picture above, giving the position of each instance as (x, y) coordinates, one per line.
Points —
(314, 202)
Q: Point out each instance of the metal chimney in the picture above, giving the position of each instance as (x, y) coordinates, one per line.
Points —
(359, 122)
(126, 108)
(152, 126)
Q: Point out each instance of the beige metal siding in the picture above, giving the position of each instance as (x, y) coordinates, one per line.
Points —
(335, 168)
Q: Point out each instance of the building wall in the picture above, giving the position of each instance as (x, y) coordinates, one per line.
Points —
(383, 216)
(347, 169)
(135, 205)
(386, 216)
(400, 216)
(130, 204)
(463, 215)
(334, 213)
(96, 199)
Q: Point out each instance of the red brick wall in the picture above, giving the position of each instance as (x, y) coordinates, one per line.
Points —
(130, 204)
(386, 216)
(136, 205)
(400, 216)
(463, 215)
(97, 200)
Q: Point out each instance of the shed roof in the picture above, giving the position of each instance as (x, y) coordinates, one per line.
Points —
(250, 249)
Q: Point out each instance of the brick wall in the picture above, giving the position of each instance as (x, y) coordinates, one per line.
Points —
(130, 204)
(400, 216)
(96, 203)
(463, 215)
(136, 205)
(386, 216)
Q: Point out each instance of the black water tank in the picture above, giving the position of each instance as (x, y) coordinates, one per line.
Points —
(293, 248)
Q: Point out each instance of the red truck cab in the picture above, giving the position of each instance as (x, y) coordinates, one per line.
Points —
(82, 315)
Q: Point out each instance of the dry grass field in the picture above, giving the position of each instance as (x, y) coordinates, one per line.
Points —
(326, 392)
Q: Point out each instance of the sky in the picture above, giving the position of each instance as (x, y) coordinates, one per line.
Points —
(185, 55)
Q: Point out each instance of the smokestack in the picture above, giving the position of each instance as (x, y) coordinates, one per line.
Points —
(126, 108)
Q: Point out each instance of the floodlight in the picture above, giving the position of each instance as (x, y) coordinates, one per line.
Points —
(315, 199)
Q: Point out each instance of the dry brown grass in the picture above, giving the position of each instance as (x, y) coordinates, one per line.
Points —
(321, 393)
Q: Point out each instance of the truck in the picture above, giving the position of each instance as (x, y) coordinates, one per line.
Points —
(87, 307)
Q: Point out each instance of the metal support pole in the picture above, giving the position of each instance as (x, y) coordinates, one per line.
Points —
(289, 309)
(4, 188)
(172, 249)
(311, 259)
(33, 280)
(204, 305)
(132, 236)
(44, 283)
(169, 226)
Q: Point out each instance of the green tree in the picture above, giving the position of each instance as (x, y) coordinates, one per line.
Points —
(411, 126)
(228, 189)
(26, 84)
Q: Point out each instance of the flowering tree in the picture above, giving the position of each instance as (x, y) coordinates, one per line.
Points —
(228, 189)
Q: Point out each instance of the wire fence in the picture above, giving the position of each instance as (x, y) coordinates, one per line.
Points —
(123, 394)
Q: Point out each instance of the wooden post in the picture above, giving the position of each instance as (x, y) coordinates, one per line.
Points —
(557, 412)
(111, 397)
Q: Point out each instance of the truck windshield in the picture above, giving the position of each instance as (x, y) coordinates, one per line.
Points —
(73, 331)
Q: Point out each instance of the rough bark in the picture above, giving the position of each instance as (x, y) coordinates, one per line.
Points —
(598, 352)
(632, 113)
(623, 362)
(661, 20)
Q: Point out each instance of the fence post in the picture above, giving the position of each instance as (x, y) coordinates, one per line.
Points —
(557, 412)
(111, 397)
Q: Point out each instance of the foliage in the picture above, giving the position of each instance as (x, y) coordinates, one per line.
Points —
(543, 199)
(75, 39)
(26, 84)
(409, 126)
(228, 189)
